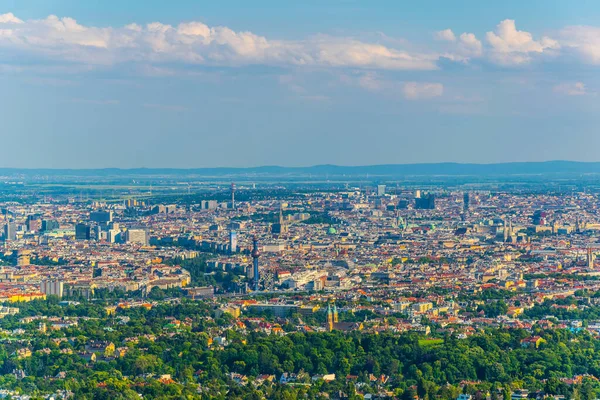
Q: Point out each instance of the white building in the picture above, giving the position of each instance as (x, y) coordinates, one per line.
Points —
(137, 236)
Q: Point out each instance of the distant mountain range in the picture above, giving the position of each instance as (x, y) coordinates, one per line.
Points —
(396, 170)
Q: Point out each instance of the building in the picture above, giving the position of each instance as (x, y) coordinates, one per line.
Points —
(402, 204)
(83, 232)
(591, 258)
(138, 236)
(101, 217)
(425, 202)
(10, 231)
(255, 273)
(23, 259)
(334, 323)
(33, 223)
(49, 225)
(233, 242)
(466, 201)
(539, 217)
(280, 227)
(54, 288)
(209, 204)
(200, 292)
(380, 190)
(113, 236)
(164, 209)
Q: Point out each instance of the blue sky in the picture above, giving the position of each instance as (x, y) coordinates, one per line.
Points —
(105, 83)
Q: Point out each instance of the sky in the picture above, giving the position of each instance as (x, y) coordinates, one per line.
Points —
(241, 83)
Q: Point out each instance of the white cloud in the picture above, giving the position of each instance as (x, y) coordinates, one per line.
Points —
(584, 41)
(462, 48)
(195, 43)
(422, 90)
(469, 45)
(326, 50)
(445, 35)
(571, 88)
(512, 47)
(9, 18)
(379, 83)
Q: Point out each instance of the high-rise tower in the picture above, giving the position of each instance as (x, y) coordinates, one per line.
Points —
(232, 196)
(255, 254)
(233, 242)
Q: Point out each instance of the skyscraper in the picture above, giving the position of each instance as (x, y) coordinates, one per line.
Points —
(49, 225)
(101, 217)
(426, 202)
(34, 223)
(83, 232)
(232, 196)
(10, 231)
(255, 254)
(233, 241)
(466, 201)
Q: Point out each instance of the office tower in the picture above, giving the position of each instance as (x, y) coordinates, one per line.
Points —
(114, 235)
(34, 223)
(466, 201)
(132, 203)
(51, 287)
(10, 231)
(101, 217)
(280, 227)
(233, 241)
(233, 195)
(255, 254)
(380, 190)
(426, 202)
(417, 194)
(138, 236)
(49, 225)
(95, 232)
(209, 204)
(83, 232)
(164, 209)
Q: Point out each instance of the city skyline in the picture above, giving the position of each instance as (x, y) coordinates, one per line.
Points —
(337, 82)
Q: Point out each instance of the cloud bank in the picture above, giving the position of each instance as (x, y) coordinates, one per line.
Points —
(195, 43)
(64, 40)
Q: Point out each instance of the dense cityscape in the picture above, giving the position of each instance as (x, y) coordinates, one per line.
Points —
(298, 200)
(367, 289)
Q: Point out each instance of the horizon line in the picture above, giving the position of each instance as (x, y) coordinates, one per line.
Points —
(300, 167)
